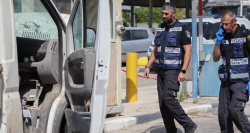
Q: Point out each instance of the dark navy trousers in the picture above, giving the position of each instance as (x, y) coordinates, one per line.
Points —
(168, 86)
(232, 101)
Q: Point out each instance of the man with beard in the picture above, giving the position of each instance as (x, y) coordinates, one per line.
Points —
(233, 46)
(171, 53)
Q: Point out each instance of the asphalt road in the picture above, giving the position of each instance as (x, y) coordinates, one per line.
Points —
(207, 123)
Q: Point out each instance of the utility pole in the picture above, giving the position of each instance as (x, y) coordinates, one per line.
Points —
(194, 48)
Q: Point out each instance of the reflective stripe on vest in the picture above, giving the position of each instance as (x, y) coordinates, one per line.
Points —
(221, 76)
(157, 61)
(224, 61)
(169, 50)
(159, 49)
(176, 62)
(239, 76)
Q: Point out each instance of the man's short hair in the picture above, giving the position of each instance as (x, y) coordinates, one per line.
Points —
(169, 6)
(228, 13)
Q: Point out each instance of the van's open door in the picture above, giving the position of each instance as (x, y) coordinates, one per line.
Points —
(10, 119)
(86, 68)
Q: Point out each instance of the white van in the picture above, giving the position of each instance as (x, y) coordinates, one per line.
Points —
(210, 27)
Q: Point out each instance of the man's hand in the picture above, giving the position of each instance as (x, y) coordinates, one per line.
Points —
(146, 73)
(220, 35)
(181, 77)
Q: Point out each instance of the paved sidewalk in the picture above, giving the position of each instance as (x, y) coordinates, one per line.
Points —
(146, 107)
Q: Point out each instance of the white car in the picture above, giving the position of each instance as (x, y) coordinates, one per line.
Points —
(136, 40)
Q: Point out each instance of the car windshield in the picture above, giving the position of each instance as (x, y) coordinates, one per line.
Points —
(219, 10)
(210, 32)
(189, 26)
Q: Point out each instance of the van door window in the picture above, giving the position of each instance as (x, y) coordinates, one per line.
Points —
(63, 6)
(33, 21)
(140, 34)
(77, 30)
(90, 37)
(189, 26)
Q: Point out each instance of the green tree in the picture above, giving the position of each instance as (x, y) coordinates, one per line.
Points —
(125, 18)
(179, 13)
(142, 14)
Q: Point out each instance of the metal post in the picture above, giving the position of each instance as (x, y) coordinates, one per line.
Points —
(194, 48)
(187, 8)
(200, 30)
(132, 16)
(131, 77)
(150, 13)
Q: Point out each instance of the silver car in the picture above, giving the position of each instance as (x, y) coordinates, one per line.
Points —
(136, 40)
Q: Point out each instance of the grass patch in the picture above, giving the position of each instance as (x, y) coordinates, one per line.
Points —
(195, 101)
(183, 95)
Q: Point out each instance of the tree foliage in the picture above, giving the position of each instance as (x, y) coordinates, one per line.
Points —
(125, 18)
(142, 15)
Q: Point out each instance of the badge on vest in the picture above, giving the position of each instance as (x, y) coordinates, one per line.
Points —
(238, 40)
(187, 34)
(172, 50)
(240, 61)
(224, 42)
(176, 29)
(160, 29)
(248, 37)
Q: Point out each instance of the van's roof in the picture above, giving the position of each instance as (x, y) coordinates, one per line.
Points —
(212, 19)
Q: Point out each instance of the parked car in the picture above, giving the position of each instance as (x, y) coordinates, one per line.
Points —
(136, 40)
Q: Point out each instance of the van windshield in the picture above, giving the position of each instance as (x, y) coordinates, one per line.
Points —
(33, 21)
(219, 10)
(189, 26)
(210, 32)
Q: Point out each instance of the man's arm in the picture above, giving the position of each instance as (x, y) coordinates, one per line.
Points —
(187, 56)
(187, 47)
(152, 57)
(150, 62)
(216, 53)
(220, 36)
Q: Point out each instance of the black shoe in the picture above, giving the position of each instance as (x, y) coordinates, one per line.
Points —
(191, 129)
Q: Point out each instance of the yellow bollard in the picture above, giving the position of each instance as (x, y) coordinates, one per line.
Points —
(143, 61)
(131, 90)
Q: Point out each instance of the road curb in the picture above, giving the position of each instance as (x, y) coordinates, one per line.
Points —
(120, 123)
